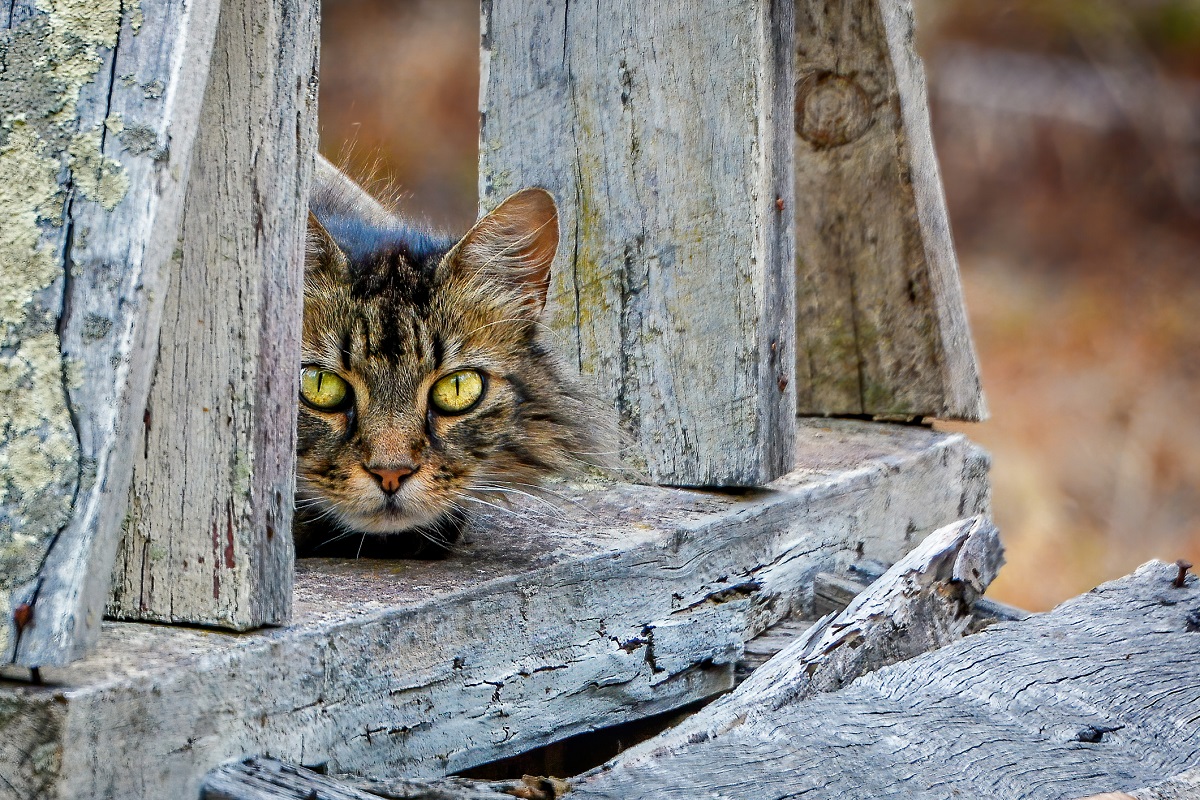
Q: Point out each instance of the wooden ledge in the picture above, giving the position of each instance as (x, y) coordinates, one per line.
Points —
(624, 602)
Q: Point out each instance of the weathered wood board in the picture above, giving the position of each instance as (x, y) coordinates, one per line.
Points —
(1101, 694)
(881, 324)
(208, 535)
(922, 602)
(626, 602)
(663, 131)
(98, 110)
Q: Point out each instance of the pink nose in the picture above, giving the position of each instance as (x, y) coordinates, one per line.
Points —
(390, 479)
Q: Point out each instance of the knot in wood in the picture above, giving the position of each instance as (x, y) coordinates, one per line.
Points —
(831, 109)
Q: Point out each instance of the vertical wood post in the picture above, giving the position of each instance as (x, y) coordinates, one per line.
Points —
(880, 317)
(208, 536)
(98, 110)
(664, 131)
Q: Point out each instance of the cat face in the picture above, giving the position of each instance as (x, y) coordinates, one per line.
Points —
(424, 388)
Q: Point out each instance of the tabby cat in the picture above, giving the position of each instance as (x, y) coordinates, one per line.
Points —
(426, 388)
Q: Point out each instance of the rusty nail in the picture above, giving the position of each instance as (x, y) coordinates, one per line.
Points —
(779, 203)
(22, 616)
(782, 382)
(1181, 578)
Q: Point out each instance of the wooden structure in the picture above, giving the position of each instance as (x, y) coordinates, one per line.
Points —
(696, 150)
(628, 602)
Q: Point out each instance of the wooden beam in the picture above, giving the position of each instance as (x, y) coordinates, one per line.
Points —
(208, 536)
(625, 602)
(99, 105)
(921, 603)
(664, 132)
(1099, 694)
(881, 325)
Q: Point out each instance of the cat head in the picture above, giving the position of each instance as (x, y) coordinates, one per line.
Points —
(425, 386)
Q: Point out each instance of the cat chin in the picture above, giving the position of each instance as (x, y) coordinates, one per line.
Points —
(388, 521)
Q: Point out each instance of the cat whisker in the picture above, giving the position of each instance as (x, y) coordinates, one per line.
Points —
(525, 514)
(510, 490)
(522, 321)
(556, 495)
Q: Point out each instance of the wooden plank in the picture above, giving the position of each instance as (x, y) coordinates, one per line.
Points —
(880, 318)
(98, 109)
(269, 779)
(208, 535)
(920, 603)
(626, 602)
(1102, 693)
(1184, 786)
(663, 132)
(832, 593)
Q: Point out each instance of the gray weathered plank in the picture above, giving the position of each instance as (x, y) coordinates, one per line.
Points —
(98, 109)
(627, 602)
(208, 534)
(881, 324)
(921, 602)
(663, 131)
(1102, 693)
(268, 779)
(1184, 786)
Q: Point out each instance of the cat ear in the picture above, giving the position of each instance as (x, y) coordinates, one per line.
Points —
(321, 253)
(511, 249)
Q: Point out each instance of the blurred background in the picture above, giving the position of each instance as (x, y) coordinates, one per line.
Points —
(1069, 138)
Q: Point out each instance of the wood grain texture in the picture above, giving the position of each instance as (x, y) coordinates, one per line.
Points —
(98, 110)
(1100, 694)
(208, 535)
(268, 779)
(881, 324)
(627, 602)
(663, 131)
(921, 603)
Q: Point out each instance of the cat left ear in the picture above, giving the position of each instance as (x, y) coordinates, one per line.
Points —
(321, 253)
(512, 247)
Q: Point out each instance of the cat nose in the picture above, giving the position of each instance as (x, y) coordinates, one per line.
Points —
(390, 478)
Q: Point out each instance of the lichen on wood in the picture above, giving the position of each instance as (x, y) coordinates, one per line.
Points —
(48, 59)
(87, 223)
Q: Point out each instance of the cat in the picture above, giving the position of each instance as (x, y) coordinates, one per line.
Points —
(426, 388)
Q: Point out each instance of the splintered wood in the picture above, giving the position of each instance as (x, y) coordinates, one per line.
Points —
(208, 538)
(627, 601)
(1099, 695)
(881, 327)
(664, 132)
(99, 104)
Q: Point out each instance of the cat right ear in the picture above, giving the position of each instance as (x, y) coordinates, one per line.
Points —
(510, 251)
(321, 253)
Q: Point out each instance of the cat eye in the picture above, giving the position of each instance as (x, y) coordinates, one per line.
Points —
(323, 389)
(457, 392)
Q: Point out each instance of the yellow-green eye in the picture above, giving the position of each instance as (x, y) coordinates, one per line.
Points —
(457, 392)
(323, 389)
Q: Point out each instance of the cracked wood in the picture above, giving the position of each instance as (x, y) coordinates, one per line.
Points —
(1102, 694)
(541, 626)
(208, 535)
(98, 110)
(881, 325)
(664, 133)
